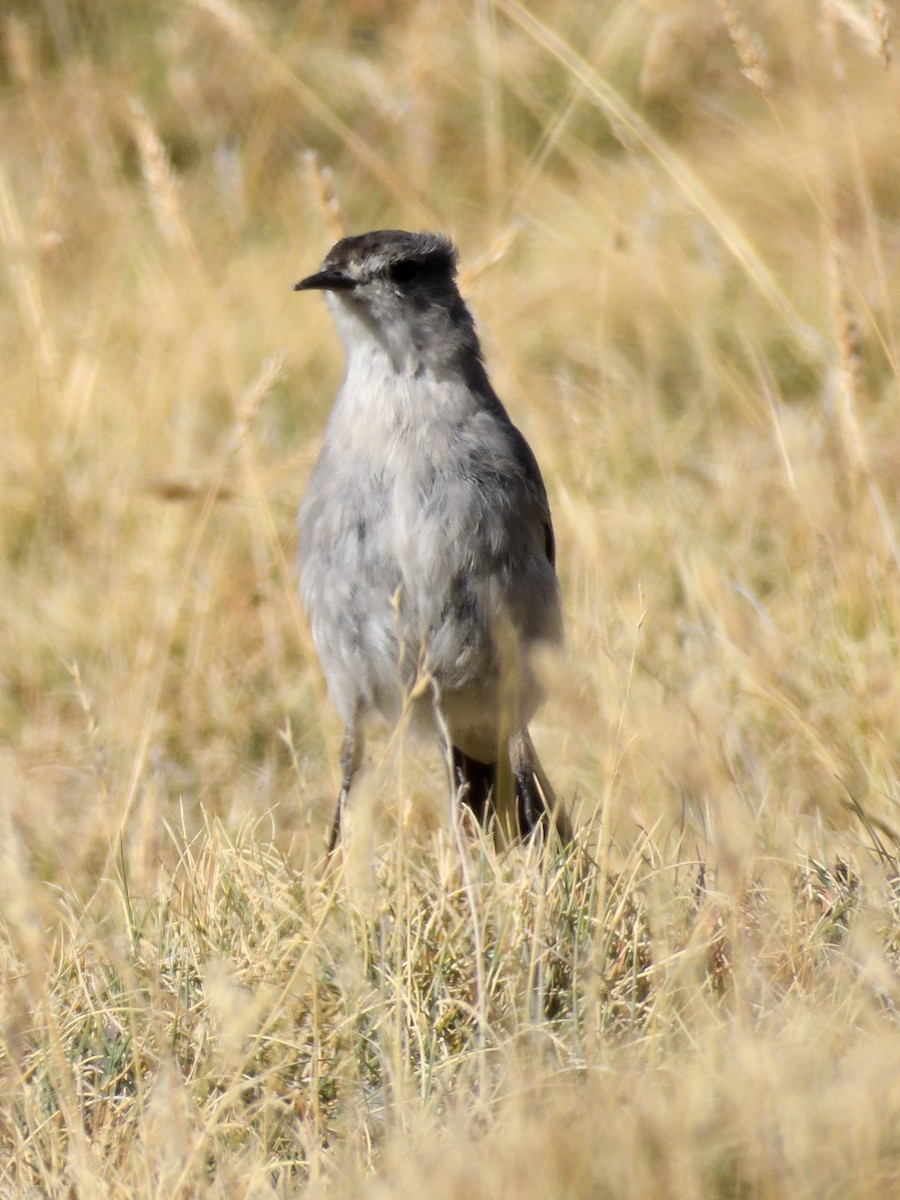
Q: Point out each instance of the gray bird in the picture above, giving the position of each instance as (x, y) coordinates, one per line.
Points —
(426, 545)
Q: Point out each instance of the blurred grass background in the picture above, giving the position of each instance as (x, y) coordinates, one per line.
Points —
(680, 227)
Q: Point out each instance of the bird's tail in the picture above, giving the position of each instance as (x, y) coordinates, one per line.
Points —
(536, 804)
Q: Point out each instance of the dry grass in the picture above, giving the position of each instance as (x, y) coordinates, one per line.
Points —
(680, 228)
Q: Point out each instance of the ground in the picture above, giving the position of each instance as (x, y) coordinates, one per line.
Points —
(679, 228)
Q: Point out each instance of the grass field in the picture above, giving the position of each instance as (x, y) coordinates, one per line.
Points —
(680, 233)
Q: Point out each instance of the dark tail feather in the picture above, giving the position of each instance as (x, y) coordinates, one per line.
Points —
(480, 780)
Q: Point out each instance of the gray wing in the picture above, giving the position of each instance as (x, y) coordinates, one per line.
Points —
(536, 486)
(503, 451)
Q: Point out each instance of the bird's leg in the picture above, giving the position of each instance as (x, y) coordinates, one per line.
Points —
(351, 757)
(538, 802)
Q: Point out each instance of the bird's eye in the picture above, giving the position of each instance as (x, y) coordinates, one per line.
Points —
(403, 271)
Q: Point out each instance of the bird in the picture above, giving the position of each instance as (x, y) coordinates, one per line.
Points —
(427, 552)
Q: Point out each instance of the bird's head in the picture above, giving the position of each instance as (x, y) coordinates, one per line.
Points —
(399, 289)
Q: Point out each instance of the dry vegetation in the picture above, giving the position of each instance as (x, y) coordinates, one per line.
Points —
(680, 227)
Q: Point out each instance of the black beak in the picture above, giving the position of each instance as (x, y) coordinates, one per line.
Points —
(327, 280)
